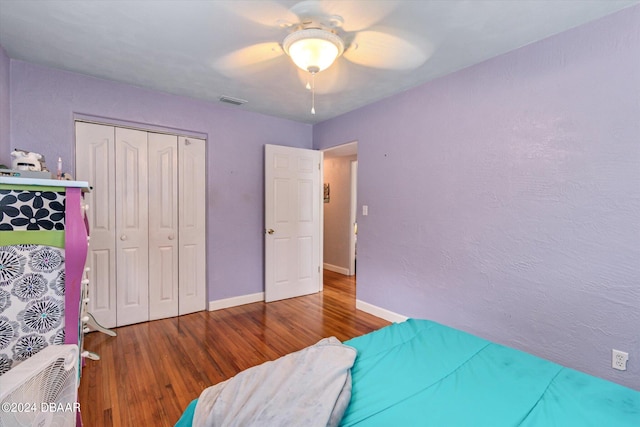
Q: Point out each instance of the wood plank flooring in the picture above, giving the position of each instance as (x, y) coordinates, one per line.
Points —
(151, 371)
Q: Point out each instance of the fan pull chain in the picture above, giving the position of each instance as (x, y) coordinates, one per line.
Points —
(313, 93)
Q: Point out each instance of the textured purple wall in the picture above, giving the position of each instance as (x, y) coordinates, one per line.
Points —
(4, 108)
(504, 199)
(43, 105)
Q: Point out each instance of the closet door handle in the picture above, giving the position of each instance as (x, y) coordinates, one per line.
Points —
(172, 236)
(123, 237)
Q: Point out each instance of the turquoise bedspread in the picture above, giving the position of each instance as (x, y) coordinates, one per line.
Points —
(421, 373)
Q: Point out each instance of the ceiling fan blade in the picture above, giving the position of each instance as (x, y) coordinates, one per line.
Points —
(248, 59)
(356, 14)
(266, 12)
(384, 50)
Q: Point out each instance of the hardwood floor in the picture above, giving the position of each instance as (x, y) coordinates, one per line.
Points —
(150, 372)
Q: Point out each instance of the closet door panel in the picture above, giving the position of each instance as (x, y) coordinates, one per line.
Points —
(163, 226)
(132, 230)
(95, 163)
(192, 226)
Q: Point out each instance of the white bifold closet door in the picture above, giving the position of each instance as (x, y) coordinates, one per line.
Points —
(96, 164)
(163, 226)
(191, 217)
(132, 229)
(147, 220)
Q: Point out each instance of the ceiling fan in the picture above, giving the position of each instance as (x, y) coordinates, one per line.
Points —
(324, 35)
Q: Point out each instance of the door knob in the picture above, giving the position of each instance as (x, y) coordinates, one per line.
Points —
(270, 231)
(172, 236)
(123, 237)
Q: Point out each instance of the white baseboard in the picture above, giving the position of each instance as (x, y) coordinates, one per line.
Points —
(235, 301)
(336, 269)
(380, 312)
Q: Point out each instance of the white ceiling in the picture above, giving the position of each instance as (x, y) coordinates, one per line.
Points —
(205, 49)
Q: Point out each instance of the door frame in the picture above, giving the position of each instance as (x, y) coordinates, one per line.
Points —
(353, 216)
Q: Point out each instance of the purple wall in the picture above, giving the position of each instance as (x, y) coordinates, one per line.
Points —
(43, 105)
(4, 108)
(504, 199)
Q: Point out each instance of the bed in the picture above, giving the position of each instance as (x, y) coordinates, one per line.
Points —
(423, 373)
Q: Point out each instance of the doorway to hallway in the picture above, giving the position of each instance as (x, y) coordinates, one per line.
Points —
(340, 208)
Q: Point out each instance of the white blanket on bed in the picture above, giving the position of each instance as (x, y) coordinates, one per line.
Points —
(311, 387)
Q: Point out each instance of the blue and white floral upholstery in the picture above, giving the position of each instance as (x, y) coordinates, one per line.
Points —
(32, 276)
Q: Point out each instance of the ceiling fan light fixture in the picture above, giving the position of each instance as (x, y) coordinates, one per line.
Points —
(313, 49)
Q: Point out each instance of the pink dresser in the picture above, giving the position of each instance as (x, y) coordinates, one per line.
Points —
(43, 249)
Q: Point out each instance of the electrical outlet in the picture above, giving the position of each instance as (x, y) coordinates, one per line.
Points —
(619, 360)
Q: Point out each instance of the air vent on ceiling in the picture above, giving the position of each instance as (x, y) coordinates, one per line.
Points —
(232, 100)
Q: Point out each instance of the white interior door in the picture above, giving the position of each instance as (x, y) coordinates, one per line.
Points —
(353, 208)
(192, 227)
(163, 226)
(132, 230)
(95, 163)
(292, 222)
